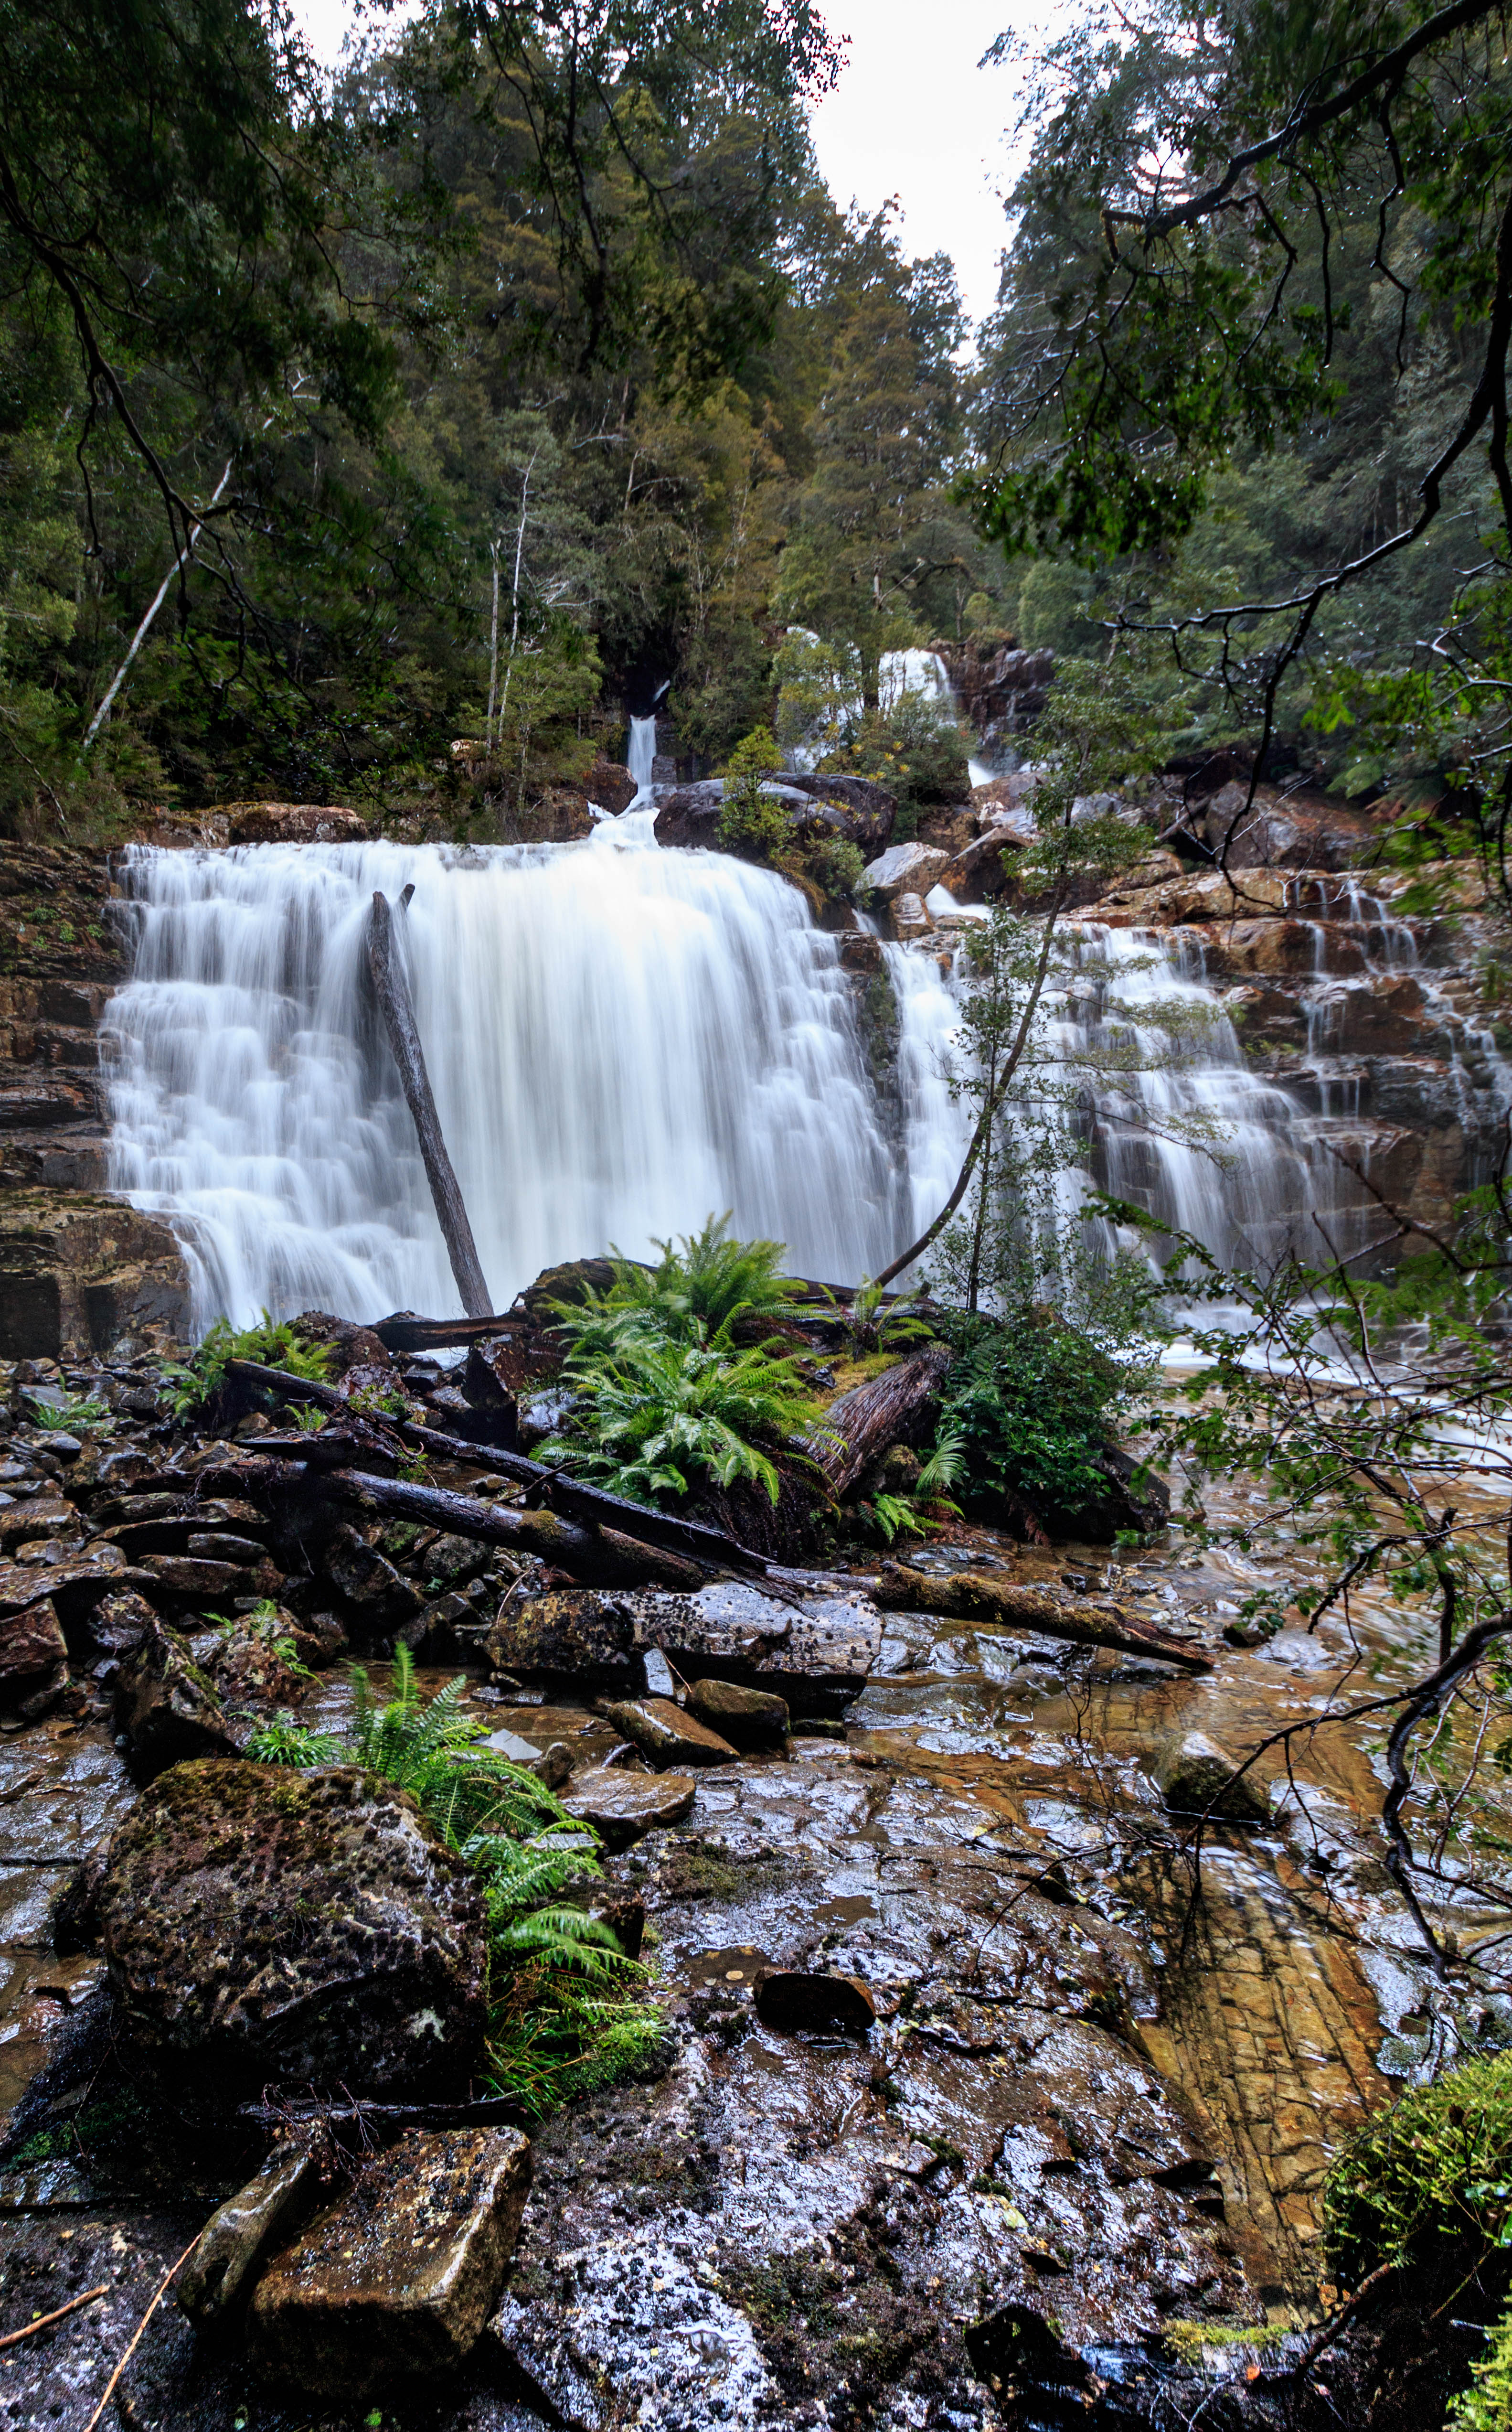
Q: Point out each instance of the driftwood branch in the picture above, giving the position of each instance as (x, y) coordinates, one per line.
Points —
(589, 1503)
(976, 1596)
(392, 991)
(858, 1428)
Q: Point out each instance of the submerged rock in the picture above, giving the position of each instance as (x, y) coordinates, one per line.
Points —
(666, 1735)
(1195, 1778)
(261, 1924)
(397, 2279)
(793, 1998)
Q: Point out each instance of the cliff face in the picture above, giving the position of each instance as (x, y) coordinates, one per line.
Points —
(77, 1269)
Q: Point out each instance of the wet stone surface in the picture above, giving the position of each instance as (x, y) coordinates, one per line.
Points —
(1082, 2114)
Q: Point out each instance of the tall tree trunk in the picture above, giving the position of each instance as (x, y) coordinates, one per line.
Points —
(392, 991)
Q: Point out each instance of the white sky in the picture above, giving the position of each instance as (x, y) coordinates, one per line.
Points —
(913, 116)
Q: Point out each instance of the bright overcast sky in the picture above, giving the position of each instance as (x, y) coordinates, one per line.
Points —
(913, 116)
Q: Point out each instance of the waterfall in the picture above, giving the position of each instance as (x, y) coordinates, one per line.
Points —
(620, 1041)
(640, 757)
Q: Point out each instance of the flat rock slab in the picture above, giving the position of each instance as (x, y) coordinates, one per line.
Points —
(397, 2279)
(263, 1924)
(666, 1735)
(623, 1806)
(816, 1652)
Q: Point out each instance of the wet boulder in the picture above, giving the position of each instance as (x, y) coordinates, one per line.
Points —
(906, 869)
(855, 808)
(264, 1925)
(33, 1660)
(667, 1736)
(749, 1717)
(623, 1806)
(798, 2001)
(295, 823)
(396, 2280)
(367, 1579)
(585, 1636)
(166, 1707)
(224, 2266)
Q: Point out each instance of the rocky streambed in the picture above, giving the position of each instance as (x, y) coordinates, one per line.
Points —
(973, 2102)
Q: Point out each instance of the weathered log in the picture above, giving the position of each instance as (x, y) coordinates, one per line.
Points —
(858, 1428)
(392, 991)
(404, 1331)
(590, 1504)
(977, 1596)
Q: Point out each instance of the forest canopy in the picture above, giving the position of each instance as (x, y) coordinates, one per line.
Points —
(525, 370)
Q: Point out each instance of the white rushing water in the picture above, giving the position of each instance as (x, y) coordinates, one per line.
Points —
(621, 1041)
(640, 759)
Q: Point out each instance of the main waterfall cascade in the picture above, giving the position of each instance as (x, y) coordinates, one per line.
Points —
(621, 1041)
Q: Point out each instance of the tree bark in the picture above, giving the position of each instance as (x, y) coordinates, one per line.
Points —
(393, 994)
(857, 1429)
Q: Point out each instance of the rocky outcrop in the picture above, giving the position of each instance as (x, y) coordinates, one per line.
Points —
(294, 823)
(263, 1925)
(850, 808)
(78, 1270)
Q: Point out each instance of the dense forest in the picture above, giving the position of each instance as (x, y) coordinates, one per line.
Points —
(529, 367)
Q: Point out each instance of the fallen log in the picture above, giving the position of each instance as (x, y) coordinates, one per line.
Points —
(392, 990)
(976, 1596)
(858, 1428)
(597, 1558)
(404, 1331)
(590, 1504)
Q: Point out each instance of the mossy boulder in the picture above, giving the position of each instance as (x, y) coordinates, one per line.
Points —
(267, 1926)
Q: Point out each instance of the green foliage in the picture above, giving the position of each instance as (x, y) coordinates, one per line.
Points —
(272, 1344)
(750, 821)
(876, 1320)
(650, 1412)
(561, 2017)
(701, 1280)
(1486, 2404)
(1028, 1407)
(72, 1412)
(663, 1389)
(914, 745)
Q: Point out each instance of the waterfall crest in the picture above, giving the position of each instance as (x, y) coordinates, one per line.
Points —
(620, 1041)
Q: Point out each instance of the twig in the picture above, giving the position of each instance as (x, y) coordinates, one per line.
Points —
(1333, 2330)
(158, 2295)
(13, 2339)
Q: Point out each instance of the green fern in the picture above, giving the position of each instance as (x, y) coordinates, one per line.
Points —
(273, 1343)
(947, 1466)
(561, 1988)
(650, 1412)
(695, 1294)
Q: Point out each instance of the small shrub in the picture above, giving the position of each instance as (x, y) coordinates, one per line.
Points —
(750, 823)
(1027, 1410)
(650, 1414)
(1428, 2185)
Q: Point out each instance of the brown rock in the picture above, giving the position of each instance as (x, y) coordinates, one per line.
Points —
(119, 1624)
(367, 1579)
(791, 2000)
(294, 823)
(32, 1651)
(1197, 1779)
(910, 919)
(23, 1523)
(167, 1707)
(621, 1806)
(397, 2279)
(76, 1271)
(239, 2234)
(742, 1715)
(667, 1736)
(193, 1576)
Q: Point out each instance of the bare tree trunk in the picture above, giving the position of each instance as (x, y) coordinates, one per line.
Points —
(493, 652)
(178, 565)
(392, 990)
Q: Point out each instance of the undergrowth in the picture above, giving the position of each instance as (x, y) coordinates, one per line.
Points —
(564, 2012)
(193, 1383)
(1427, 2186)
